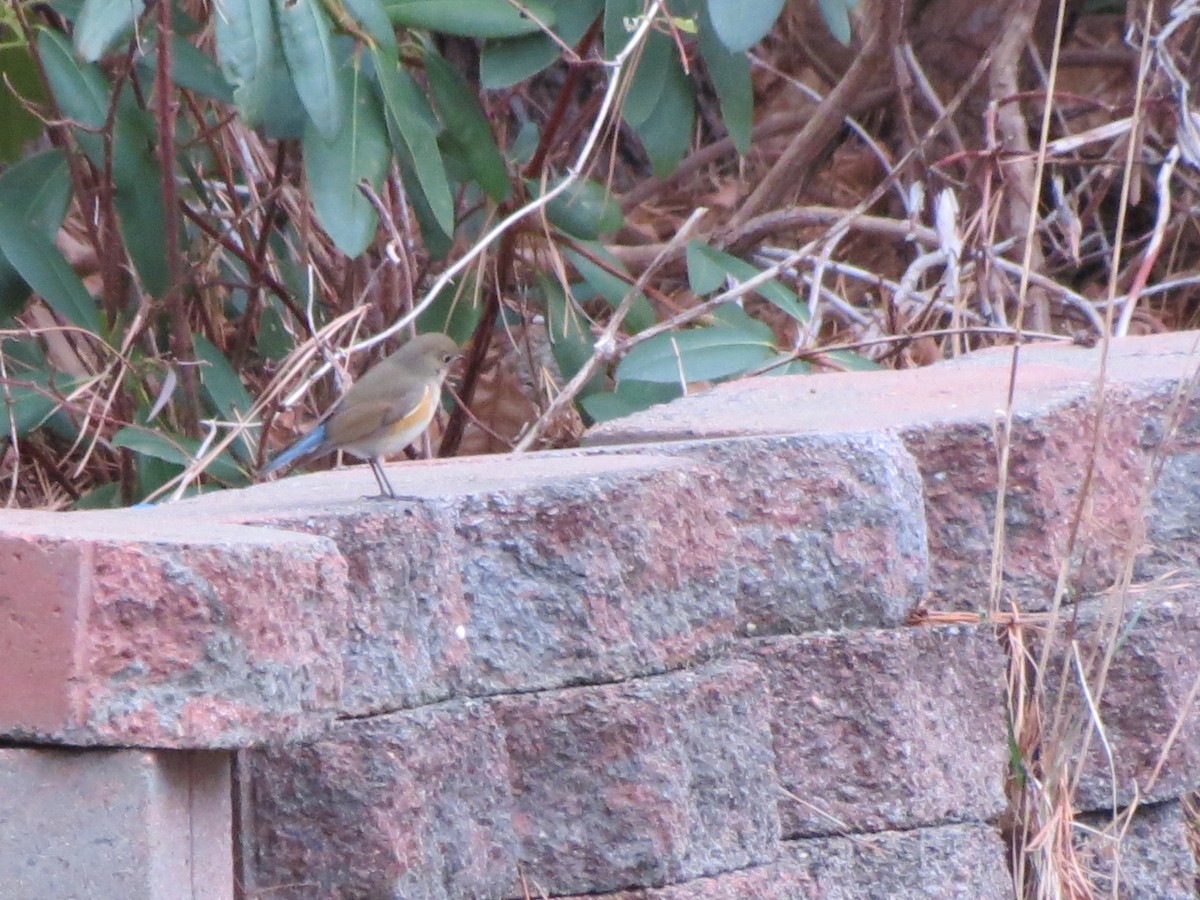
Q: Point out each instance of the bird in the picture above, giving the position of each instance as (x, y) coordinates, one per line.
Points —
(387, 409)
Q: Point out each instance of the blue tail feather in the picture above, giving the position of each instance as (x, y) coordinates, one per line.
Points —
(309, 444)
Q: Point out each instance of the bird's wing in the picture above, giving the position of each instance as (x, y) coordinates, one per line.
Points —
(368, 421)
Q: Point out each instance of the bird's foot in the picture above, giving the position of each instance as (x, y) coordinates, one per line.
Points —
(400, 498)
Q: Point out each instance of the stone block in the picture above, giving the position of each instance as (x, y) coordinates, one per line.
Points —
(952, 862)
(1173, 516)
(409, 805)
(121, 629)
(1049, 456)
(1144, 857)
(656, 781)
(516, 573)
(879, 730)
(769, 882)
(827, 532)
(138, 825)
(1147, 747)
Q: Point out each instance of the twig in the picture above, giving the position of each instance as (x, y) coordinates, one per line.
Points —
(1150, 254)
(804, 149)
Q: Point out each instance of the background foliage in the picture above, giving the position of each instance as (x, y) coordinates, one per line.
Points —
(206, 204)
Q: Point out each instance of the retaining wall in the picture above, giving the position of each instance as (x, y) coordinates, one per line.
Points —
(708, 655)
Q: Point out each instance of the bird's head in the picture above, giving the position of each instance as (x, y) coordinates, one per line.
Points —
(432, 354)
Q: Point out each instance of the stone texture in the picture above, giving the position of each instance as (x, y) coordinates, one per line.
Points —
(827, 533)
(1048, 459)
(881, 730)
(409, 805)
(597, 580)
(116, 630)
(954, 861)
(1142, 695)
(947, 415)
(517, 573)
(85, 824)
(1173, 514)
(661, 780)
(770, 882)
(1147, 858)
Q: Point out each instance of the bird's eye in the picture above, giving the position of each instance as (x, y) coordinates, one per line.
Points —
(448, 358)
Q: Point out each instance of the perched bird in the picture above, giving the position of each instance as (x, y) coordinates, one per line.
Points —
(386, 410)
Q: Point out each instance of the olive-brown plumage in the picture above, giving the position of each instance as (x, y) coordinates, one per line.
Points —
(387, 409)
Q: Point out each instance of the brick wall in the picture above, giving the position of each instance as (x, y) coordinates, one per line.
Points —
(726, 650)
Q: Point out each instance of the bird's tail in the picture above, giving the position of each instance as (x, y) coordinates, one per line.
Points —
(308, 445)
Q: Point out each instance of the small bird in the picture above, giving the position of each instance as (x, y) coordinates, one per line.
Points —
(386, 410)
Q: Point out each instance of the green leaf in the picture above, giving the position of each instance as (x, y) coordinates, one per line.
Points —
(307, 38)
(81, 91)
(649, 79)
(33, 400)
(612, 287)
(220, 382)
(438, 243)
(20, 82)
(38, 189)
(505, 63)
(730, 74)
(837, 17)
(334, 168)
(41, 265)
(13, 292)
(740, 24)
(284, 116)
(617, 13)
(667, 132)
(101, 23)
(572, 18)
(106, 496)
(455, 311)
(855, 362)
(411, 116)
(141, 219)
(176, 449)
(274, 340)
(700, 354)
(469, 18)
(245, 48)
(733, 315)
(467, 126)
(628, 398)
(224, 389)
(373, 18)
(791, 367)
(192, 70)
(708, 269)
(584, 210)
(153, 474)
(571, 339)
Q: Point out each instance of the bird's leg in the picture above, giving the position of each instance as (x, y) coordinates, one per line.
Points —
(386, 491)
(385, 487)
